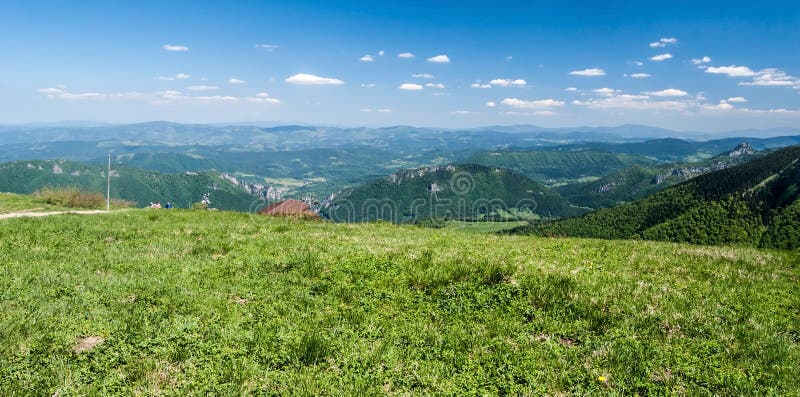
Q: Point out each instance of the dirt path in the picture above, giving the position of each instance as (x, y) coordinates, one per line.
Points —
(23, 214)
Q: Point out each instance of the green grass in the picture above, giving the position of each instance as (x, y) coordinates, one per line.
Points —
(291, 182)
(211, 302)
(10, 202)
(483, 227)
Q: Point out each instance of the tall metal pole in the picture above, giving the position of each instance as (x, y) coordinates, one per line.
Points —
(108, 185)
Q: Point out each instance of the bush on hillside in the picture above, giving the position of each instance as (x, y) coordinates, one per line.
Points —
(71, 197)
(120, 203)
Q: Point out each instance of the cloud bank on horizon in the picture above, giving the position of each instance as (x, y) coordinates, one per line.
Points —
(269, 62)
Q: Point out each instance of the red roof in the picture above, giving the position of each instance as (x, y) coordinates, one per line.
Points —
(289, 207)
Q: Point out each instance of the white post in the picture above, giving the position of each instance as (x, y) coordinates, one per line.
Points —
(108, 185)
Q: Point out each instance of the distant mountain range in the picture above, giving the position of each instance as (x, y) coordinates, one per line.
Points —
(400, 138)
(577, 169)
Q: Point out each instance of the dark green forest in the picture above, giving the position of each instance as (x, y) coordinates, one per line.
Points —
(755, 203)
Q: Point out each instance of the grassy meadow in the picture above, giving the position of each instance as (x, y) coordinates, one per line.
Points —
(148, 302)
(10, 202)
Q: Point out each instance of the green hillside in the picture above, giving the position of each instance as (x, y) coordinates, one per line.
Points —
(127, 183)
(754, 203)
(458, 192)
(639, 181)
(216, 303)
(552, 166)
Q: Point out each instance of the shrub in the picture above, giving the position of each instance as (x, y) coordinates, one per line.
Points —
(120, 203)
(71, 197)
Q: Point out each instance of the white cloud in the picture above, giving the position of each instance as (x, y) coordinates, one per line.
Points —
(479, 85)
(51, 91)
(508, 82)
(60, 92)
(370, 110)
(640, 75)
(365, 110)
(234, 80)
(381, 52)
(179, 76)
(538, 104)
(508, 58)
(773, 77)
(663, 42)
(175, 48)
(405, 55)
(170, 94)
(589, 72)
(384, 110)
(732, 71)
(461, 112)
(202, 88)
(263, 97)
(700, 61)
(310, 79)
(156, 98)
(422, 76)
(770, 111)
(439, 59)
(605, 91)
(669, 92)
(570, 89)
(490, 104)
(638, 63)
(737, 99)
(434, 85)
(661, 57)
(723, 105)
(544, 113)
(369, 85)
(770, 77)
(410, 87)
(268, 47)
(367, 58)
(637, 102)
(215, 98)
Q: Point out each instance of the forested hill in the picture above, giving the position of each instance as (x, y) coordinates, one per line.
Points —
(550, 165)
(755, 203)
(127, 183)
(639, 181)
(464, 192)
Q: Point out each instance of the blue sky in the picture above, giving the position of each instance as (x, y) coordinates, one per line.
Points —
(682, 65)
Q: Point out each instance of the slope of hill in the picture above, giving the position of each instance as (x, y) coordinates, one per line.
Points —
(127, 183)
(218, 303)
(746, 204)
(464, 191)
(639, 181)
(554, 166)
